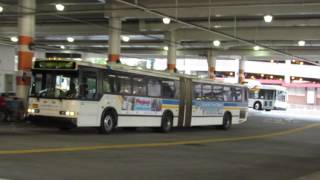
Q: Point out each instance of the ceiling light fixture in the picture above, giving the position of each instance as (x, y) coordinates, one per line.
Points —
(272, 61)
(268, 18)
(59, 7)
(301, 43)
(166, 48)
(70, 39)
(14, 39)
(216, 43)
(62, 47)
(301, 63)
(256, 48)
(1, 9)
(166, 20)
(125, 38)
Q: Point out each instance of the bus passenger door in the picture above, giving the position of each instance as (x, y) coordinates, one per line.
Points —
(89, 114)
(185, 107)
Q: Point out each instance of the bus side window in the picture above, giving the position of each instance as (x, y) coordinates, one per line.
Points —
(237, 94)
(154, 88)
(167, 89)
(197, 91)
(227, 94)
(139, 87)
(207, 92)
(218, 93)
(124, 85)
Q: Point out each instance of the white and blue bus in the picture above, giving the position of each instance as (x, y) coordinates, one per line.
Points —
(86, 95)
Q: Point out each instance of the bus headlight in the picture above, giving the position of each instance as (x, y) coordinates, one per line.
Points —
(70, 113)
(33, 110)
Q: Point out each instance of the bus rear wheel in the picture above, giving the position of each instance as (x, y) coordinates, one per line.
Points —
(257, 106)
(166, 123)
(227, 121)
(108, 123)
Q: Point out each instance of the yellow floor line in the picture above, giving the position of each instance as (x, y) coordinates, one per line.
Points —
(154, 145)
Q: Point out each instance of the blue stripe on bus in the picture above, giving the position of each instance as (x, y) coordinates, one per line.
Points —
(170, 101)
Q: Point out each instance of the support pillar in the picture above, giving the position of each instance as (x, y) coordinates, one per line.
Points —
(287, 78)
(114, 39)
(242, 62)
(172, 56)
(211, 65)
(26, 26)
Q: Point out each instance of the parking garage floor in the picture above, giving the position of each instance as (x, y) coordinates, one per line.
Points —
(265, 147)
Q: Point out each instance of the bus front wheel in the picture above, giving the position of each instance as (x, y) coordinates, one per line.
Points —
(257, 106)
(108, 123)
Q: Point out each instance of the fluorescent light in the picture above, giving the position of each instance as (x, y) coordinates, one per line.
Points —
(216, 43)
(14, 39)
(1, 9)
(166, 48)
(256, 48)
(301, 43)
(125, 38)
(59, 7)
(62, 47)
(166, 20)
(268, 18)
(70, 39)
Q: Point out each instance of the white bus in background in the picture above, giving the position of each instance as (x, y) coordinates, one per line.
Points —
(268, 97)
(106, 97)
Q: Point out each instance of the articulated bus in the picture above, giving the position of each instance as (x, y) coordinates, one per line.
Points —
(268, 97)
(86, 95)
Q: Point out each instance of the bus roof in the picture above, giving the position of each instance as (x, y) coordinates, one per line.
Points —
(139, 70)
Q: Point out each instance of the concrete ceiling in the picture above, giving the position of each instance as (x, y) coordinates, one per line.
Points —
(87, 21)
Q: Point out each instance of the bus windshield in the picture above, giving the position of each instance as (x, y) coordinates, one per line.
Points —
(48, 84)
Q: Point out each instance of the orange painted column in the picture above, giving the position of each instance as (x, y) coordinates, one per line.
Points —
(26, 26)
(114, 37)
(241, 70)
(211, 65)
(172, 48)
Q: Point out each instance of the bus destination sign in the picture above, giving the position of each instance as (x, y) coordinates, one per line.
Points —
(54, 65)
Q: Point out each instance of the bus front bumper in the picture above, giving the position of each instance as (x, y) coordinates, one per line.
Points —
(52, 121)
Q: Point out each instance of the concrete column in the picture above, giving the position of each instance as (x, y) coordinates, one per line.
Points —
(242, 62)
(211, 65)
(171, 56)
(26, 26)
(287, 76)
(114, 38)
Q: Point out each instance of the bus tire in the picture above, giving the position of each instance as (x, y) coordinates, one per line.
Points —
(257, 106)
(227, 121)
(108, 122)
(166, 122)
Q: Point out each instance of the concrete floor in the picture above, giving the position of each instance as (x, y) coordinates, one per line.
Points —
(268, 148)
